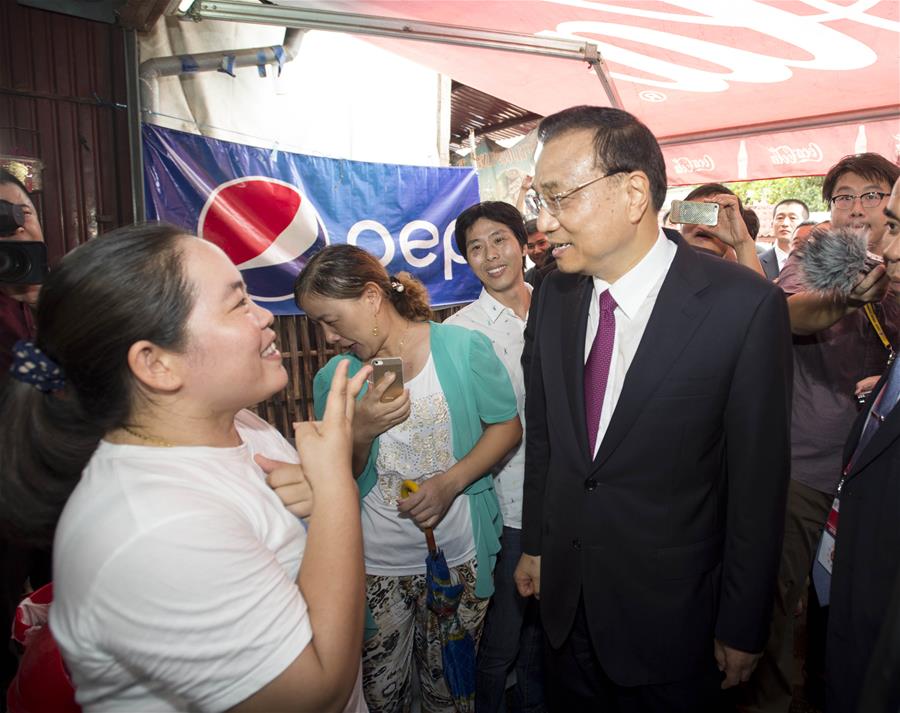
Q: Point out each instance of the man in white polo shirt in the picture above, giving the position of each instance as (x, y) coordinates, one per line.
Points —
(491, 237)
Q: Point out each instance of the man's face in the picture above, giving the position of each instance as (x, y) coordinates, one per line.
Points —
(858, 217)
(590, 235)
(538, 248)
(698, 236)
(891, 239)
(32, 228)
(494, 255)
(785, 221)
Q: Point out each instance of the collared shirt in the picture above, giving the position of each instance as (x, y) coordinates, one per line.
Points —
(507, 334)
(781, 256)
(635, 294)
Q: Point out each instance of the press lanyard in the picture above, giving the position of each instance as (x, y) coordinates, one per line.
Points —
(879, 330)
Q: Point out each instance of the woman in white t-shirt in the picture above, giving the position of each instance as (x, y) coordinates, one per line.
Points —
(181, 579)
(454, 420)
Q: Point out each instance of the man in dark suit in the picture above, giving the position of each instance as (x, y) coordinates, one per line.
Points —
(787, 216)
(654, 496)
(769, 262)
(867, 549)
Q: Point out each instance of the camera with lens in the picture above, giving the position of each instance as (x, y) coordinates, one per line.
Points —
(22, 262)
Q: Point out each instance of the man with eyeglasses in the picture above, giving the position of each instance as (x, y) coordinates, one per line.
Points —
(657, 436)
(838, 353)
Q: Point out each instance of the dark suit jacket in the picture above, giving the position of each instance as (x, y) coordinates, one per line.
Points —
(769, 261)
(881, 688)
(866, 560)
(673, 533)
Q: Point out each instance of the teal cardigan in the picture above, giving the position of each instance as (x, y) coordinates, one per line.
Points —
(477, 388)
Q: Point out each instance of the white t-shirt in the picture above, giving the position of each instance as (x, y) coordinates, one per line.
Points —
(175, 576)
(416, 449)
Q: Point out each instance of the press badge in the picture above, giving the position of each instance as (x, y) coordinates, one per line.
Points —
(825, 555)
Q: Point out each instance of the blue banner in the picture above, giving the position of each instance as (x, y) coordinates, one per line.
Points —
(270, 211)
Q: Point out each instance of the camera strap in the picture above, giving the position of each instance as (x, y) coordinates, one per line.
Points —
(879, 330)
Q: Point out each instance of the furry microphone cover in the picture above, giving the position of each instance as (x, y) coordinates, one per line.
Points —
(832, 259)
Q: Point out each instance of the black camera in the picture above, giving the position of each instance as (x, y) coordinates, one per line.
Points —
(22, 262)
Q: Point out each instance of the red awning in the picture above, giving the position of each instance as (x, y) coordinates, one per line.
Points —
(793, 84)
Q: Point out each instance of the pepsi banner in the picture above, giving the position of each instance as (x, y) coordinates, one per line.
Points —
(270, 210)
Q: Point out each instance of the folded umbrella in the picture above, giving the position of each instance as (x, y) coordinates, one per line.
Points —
(442, 598)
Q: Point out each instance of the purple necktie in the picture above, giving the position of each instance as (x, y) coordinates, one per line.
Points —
(596, 368)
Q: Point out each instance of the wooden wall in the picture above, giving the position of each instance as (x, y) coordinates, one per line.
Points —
(62, 100)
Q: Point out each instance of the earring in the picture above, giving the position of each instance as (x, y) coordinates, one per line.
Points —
(375, 329)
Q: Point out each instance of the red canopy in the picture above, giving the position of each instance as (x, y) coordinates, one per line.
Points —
(733, 90)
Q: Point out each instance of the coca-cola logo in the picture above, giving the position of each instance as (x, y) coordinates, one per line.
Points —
(819, 44)
(684, 164)
(784, 154)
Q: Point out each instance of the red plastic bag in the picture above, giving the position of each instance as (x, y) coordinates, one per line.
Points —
(42, 682)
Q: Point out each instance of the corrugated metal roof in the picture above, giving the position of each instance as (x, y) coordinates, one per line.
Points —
(486, 115)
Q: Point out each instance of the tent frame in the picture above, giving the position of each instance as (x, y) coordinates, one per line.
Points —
(399, 28)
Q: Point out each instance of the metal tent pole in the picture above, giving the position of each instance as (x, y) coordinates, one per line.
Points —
(133, 94)
(399, 28)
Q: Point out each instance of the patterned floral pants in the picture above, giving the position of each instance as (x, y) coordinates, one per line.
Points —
(407, 629)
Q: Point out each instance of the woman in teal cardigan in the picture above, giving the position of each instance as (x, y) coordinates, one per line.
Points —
(455, 419)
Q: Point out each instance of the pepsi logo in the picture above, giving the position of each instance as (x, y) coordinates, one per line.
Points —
(267, 228)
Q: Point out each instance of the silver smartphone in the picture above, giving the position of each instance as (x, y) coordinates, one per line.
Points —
(694, 212)
(382, 366)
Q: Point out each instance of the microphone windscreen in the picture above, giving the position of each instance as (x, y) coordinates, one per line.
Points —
(831, 260)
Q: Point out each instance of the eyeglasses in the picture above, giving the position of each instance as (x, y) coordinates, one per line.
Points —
(553, 204)
(867, 200)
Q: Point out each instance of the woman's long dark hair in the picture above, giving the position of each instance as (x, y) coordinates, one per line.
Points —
(104, 296)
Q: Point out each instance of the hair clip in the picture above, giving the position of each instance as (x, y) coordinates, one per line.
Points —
(31, 366)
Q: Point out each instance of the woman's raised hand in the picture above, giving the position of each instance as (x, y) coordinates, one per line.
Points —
(326, 446)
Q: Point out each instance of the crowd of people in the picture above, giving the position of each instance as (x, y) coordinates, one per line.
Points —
(632, 456)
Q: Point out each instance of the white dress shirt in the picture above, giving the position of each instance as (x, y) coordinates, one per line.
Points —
(781, 256)
(507, 334)
(635, 294)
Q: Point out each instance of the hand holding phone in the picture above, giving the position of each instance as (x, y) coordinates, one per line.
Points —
(381, 367)
(694, 212)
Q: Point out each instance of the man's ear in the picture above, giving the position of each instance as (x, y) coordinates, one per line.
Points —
(637, 187)
(154, 367)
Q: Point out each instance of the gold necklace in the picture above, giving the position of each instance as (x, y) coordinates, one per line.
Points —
(149, 439)
(403, 338)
